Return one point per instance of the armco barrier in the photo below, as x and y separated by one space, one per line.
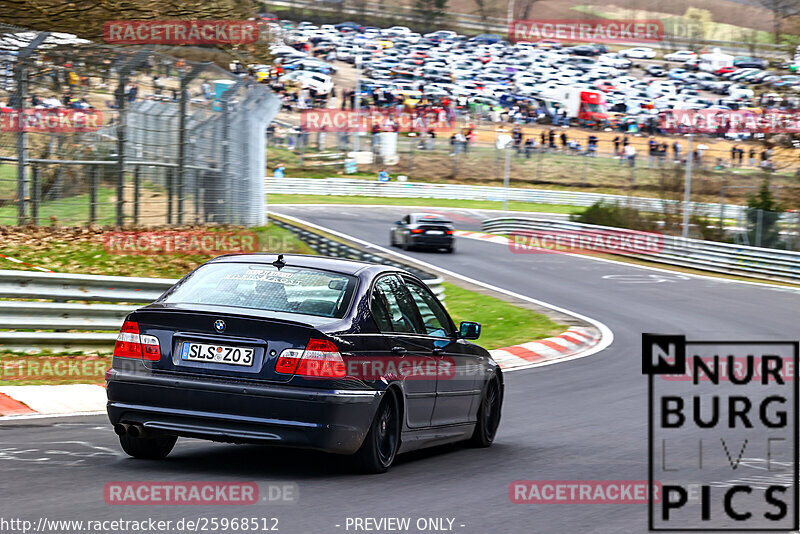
337 249
371 188
112 298
754 262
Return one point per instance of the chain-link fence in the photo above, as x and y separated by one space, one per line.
720 174
108 135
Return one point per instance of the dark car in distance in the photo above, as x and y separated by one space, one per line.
301 351
423 230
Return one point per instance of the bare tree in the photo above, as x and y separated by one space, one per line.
781 10
484 11
524 7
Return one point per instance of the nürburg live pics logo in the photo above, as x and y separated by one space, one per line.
722 434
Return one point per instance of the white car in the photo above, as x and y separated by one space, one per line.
613 60
321 83
740 92
398 30
638 53
680 56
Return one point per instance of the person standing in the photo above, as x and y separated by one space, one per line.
591 146
630 155
383 176
280 171
616 146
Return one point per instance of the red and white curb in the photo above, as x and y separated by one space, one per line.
483 236
73 399
536 353
26 401
15 260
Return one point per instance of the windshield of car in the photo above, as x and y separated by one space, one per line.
290 289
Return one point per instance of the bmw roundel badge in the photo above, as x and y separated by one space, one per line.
219 325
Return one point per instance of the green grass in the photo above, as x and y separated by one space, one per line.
502 324
70 210
8 181
432 202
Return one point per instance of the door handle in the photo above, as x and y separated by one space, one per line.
437 351
399 350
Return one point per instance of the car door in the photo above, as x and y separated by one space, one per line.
400 230
398 319
459 367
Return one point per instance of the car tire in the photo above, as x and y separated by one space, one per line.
450 249
148 448
380 446
391 240
488 414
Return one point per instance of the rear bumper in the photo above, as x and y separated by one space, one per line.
431 241
327 420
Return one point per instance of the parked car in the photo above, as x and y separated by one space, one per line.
750 62
638 53
680 56
582 50
301 351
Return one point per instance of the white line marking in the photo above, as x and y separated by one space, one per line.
46 415
606 335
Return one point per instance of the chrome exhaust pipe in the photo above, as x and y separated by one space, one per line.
121 429
135 431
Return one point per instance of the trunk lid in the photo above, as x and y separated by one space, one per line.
266 334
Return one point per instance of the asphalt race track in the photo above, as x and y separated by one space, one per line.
584 419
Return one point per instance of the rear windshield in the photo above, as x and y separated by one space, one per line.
264 287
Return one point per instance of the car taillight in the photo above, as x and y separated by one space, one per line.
417 231
320 359
449 232
131 344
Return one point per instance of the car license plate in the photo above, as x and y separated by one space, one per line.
435 232
202 352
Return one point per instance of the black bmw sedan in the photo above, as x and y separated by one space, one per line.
423 230
301 351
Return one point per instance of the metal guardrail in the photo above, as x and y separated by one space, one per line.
97 319
356 187
337 249
753 262
92 313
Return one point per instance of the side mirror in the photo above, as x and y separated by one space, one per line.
469 330
398 223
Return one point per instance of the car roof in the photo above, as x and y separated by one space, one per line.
339 265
